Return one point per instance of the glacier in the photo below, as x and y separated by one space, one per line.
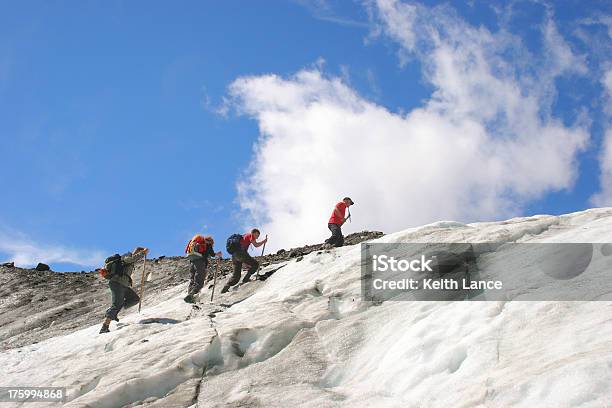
305 338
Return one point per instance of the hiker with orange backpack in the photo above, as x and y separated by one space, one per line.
198 250
238 246
118 269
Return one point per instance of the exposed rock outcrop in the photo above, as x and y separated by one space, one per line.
38 304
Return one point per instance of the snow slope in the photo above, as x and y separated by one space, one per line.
304 338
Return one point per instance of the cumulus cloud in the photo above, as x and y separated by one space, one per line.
26 252
604 196
484 143
600 46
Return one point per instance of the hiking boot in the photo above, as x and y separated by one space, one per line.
247 278
104 329
189 299
225 289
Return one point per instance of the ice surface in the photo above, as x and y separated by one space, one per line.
304 338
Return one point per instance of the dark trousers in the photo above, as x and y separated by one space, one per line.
336 239
238 258
123 296
197 272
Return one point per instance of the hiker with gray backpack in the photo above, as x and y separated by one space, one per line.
238 246
198 251
118 269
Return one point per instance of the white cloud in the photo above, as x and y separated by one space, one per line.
483 145
324 11
604 196
607 83
605 20
26 252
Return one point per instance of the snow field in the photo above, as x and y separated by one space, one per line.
304 338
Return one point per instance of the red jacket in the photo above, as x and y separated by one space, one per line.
334 219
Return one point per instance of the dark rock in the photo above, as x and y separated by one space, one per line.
41 267
280 252
359 237
9 264
299 259
295 253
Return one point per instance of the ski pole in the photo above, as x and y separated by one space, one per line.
349 212
142 281
264 247
212 295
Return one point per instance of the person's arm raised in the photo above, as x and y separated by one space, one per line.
260 243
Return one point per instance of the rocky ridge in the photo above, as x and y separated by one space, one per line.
36 305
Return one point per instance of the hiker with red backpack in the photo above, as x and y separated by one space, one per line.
198 251
238 246
118 269
336 221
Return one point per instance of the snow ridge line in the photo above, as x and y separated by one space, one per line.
541 229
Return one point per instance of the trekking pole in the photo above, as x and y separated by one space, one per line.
212 295
349 212
264 247
142 281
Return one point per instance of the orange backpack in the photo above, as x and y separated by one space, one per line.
198 244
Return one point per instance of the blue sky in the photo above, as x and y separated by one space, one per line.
142 123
